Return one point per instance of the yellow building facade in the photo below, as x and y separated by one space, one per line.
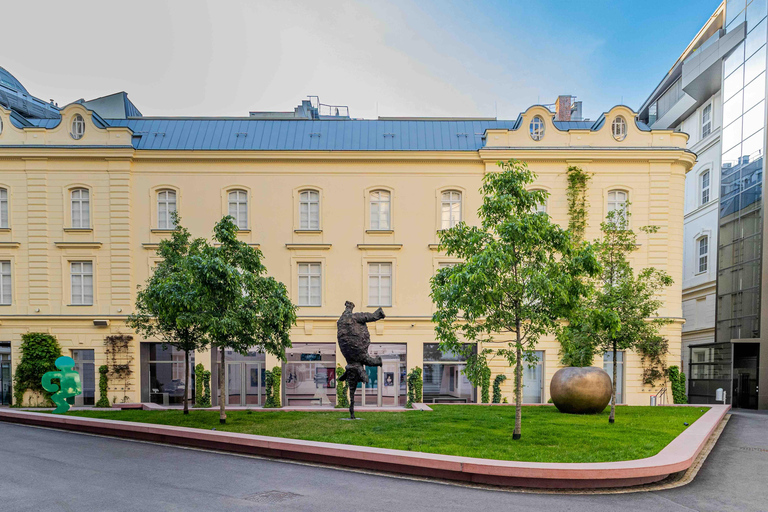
88 201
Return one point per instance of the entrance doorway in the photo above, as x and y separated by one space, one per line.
5 374
386 386
746 357
245 378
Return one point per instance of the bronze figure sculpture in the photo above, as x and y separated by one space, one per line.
354 339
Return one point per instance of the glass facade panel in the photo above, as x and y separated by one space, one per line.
443 377
163 369
309 375
755 39
709 369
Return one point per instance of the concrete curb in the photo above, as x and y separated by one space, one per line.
677 456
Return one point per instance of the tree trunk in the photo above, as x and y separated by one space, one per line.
612 417
186 382
222 366
517 434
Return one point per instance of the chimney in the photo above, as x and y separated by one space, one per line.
563 108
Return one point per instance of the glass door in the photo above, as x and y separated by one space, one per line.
5 379
234 383
85 367
255 382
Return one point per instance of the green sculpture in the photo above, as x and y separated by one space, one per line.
68 386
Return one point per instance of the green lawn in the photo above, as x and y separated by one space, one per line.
469 430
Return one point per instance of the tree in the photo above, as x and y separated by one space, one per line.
620 312
520 273
167 308
239 305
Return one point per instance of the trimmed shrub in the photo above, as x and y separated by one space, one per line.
677 380
202 386
414 387
39 352
342 398
273 388
103 393
497 387
485 385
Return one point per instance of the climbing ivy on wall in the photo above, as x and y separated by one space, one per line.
414 387
273 388
677 380
119 360
39 352
202 386
577 201
485 385
342 399
103 391
500 378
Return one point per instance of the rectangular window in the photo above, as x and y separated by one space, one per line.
450 209
309 210
703 253
166 205
5 283
444 378
3 208
310 280
379 284
608 367
82 282
238 208
81 208
705 180
706 121
533 380
380 208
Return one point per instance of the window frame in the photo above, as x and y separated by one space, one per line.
77 127
3 275
309 226
379 277
709 124
5 207
702 257
536 128
309 275
379 202
450 201
170 225
541 207
237 203
84 207
608 200
82 274
702 189
619 122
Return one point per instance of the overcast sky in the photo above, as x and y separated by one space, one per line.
421 58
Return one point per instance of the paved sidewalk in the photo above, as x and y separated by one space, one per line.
44 470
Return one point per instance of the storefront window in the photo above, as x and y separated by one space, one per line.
309 375
443 377
163 372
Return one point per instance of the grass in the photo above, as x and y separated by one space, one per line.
467 430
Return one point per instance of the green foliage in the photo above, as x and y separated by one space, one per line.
577 202
414 387
202 386
273 388
342 398
677 380
168 307
500 378
485 385
620 311
519 274
39 352
103 391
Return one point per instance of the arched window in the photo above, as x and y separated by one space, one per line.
704 187
380 202
309 210
617 201
238 208
702 246
3 208
537 128
541 207
619 128
166 205
78 127
81 208
450 209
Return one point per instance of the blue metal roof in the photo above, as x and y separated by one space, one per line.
306 135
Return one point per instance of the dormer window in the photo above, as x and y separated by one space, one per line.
78 127
537 128
619 128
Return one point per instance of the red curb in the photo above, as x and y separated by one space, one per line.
677 456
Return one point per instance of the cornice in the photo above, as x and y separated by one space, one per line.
78 245
315 156
308 247
373 247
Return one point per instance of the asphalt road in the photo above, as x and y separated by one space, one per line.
42 470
